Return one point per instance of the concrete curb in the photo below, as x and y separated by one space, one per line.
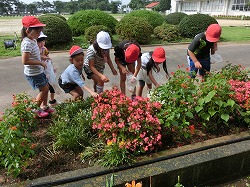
206 167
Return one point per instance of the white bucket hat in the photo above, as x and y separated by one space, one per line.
42 35
103 39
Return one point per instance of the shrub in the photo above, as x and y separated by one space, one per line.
92 31
57 30
72 124
175 18
82 20
134 28
16 143
58 16
155 19
167 32
194 24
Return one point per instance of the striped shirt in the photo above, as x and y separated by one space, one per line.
31 47
99 62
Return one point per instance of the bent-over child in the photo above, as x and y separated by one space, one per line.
150 62
72 79
94 63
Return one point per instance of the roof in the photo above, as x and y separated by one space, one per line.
151 5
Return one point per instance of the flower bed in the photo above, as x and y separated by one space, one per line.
113 130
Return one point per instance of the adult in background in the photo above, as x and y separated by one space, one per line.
199 50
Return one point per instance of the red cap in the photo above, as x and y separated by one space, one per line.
75 49
213 33
159 55
132 53
32 21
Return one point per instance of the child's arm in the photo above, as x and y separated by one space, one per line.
94 94
195 60
214 48
151 77
138 67
27 61
94 70
123 69
111 65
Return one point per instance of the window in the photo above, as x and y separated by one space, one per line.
189 6
212 6
240 5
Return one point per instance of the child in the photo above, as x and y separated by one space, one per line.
126 53
97 56
72 79
150 61
33 66
200 48
44 57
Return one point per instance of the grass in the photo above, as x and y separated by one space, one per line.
229 34
235 34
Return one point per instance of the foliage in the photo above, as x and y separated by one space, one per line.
130 124
57 30
154 18
193 24
16 145
167 32
137 4
82 20
72 125
178 97
58 16
134 28
164 5
175 18
92 31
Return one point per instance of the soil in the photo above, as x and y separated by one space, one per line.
49 161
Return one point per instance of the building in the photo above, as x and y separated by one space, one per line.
212 7
152 5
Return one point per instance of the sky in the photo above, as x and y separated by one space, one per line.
124 2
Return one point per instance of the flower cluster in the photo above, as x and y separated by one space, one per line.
242 92
130 124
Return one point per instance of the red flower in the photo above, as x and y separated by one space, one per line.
192 129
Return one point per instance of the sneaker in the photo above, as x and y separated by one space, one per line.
49 110
53 103
41 113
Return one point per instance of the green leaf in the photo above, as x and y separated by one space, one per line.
231 102
209 96
205 116
198 108
211 111
190 115
225 117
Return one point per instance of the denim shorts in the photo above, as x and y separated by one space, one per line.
37 81
206 66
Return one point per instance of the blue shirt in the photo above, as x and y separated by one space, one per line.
72 75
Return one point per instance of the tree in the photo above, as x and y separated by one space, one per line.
164 5
6 6
32 8
138 4
59 6
114 6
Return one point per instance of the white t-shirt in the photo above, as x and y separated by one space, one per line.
31 47
145 59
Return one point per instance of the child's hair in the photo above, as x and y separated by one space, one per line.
41 39
24 29
151 65
97 49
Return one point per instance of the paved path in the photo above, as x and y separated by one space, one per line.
12 80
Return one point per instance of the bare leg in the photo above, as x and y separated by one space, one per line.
42 97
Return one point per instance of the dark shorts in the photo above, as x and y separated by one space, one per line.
51 89
67 87
37 81
89 73
206 66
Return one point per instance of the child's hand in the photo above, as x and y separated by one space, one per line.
124 70
114 72
94 94
133 79
104 78
43 64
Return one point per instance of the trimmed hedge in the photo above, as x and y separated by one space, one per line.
58 15
82 20
92 31
57 30
135 28
154 18
167 32
194 24
175 18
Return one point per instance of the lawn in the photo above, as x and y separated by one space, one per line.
235 34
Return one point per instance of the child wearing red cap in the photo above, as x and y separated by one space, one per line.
97 56
198 53
126 54
33 66
72 79
151 61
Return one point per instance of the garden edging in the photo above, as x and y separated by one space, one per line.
215 161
